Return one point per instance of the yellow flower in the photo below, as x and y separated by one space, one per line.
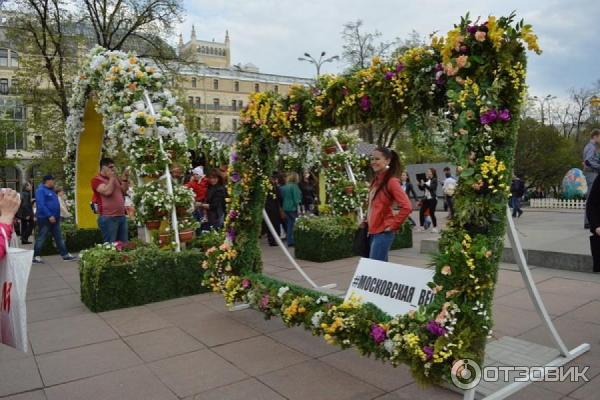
531 39
494 32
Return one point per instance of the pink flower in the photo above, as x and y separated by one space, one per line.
264 302
246 283
480 36
450 69
461 61
118 245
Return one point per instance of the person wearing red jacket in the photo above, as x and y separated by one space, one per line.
199 184
389 205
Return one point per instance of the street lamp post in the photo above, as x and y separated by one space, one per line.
542 101
318 63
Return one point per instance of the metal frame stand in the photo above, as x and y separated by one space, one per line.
566 355
166 176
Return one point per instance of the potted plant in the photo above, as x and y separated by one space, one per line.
329 145
164 239
184 200
153 203
187 228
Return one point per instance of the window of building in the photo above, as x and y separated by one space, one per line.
276 89
233 105
3 86
234 124
216 84
240 104
216 103
14 59
256 87
37 142
19 113
3 58
198 102
193 82
191 100
236 86
217 124
10 177
15 138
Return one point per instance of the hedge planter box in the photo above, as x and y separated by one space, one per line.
79 239
111 279
329 238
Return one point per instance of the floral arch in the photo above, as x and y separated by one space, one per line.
476 76
121 102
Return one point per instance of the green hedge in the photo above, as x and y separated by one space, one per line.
79 239
329 238
111 279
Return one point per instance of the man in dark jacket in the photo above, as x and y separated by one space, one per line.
48 220
517 190
25 214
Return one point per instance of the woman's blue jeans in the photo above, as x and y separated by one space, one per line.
290 219
380 245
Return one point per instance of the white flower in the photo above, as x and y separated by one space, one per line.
282 290
389 345
322 299
316 318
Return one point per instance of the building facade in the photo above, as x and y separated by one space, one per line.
216 90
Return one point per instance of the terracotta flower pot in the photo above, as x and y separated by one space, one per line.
153 224
181 211
164 239
186 236
330 149
325 164
349 189
344 146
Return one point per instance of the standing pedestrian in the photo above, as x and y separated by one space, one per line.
65 214
214 205
109 197
48 220
389 205
292 197
517 191
25 213
307 187
591 165
449 186
273 208
199 184
429 202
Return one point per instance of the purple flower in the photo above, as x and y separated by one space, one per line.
264 302
504 115
233 214
296 107
378 334
345 91
231 235
365 103
389 75
246 283
472 28
488 117
428 351
436 328
233 157
316 91
464 49
438 67
399 67
235 177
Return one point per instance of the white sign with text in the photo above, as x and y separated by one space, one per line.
394 288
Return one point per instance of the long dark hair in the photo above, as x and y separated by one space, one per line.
393 170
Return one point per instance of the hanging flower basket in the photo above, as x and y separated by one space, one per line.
349 189
153 224
186 236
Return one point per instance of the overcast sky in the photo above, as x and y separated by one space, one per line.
272 34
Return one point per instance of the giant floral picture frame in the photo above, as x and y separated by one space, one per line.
475 75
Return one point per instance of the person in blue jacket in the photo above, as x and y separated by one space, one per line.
48 220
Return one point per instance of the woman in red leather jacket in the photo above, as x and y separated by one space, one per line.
389 205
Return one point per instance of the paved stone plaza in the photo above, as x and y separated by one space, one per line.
193 348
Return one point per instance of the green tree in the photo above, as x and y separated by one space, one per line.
543 156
